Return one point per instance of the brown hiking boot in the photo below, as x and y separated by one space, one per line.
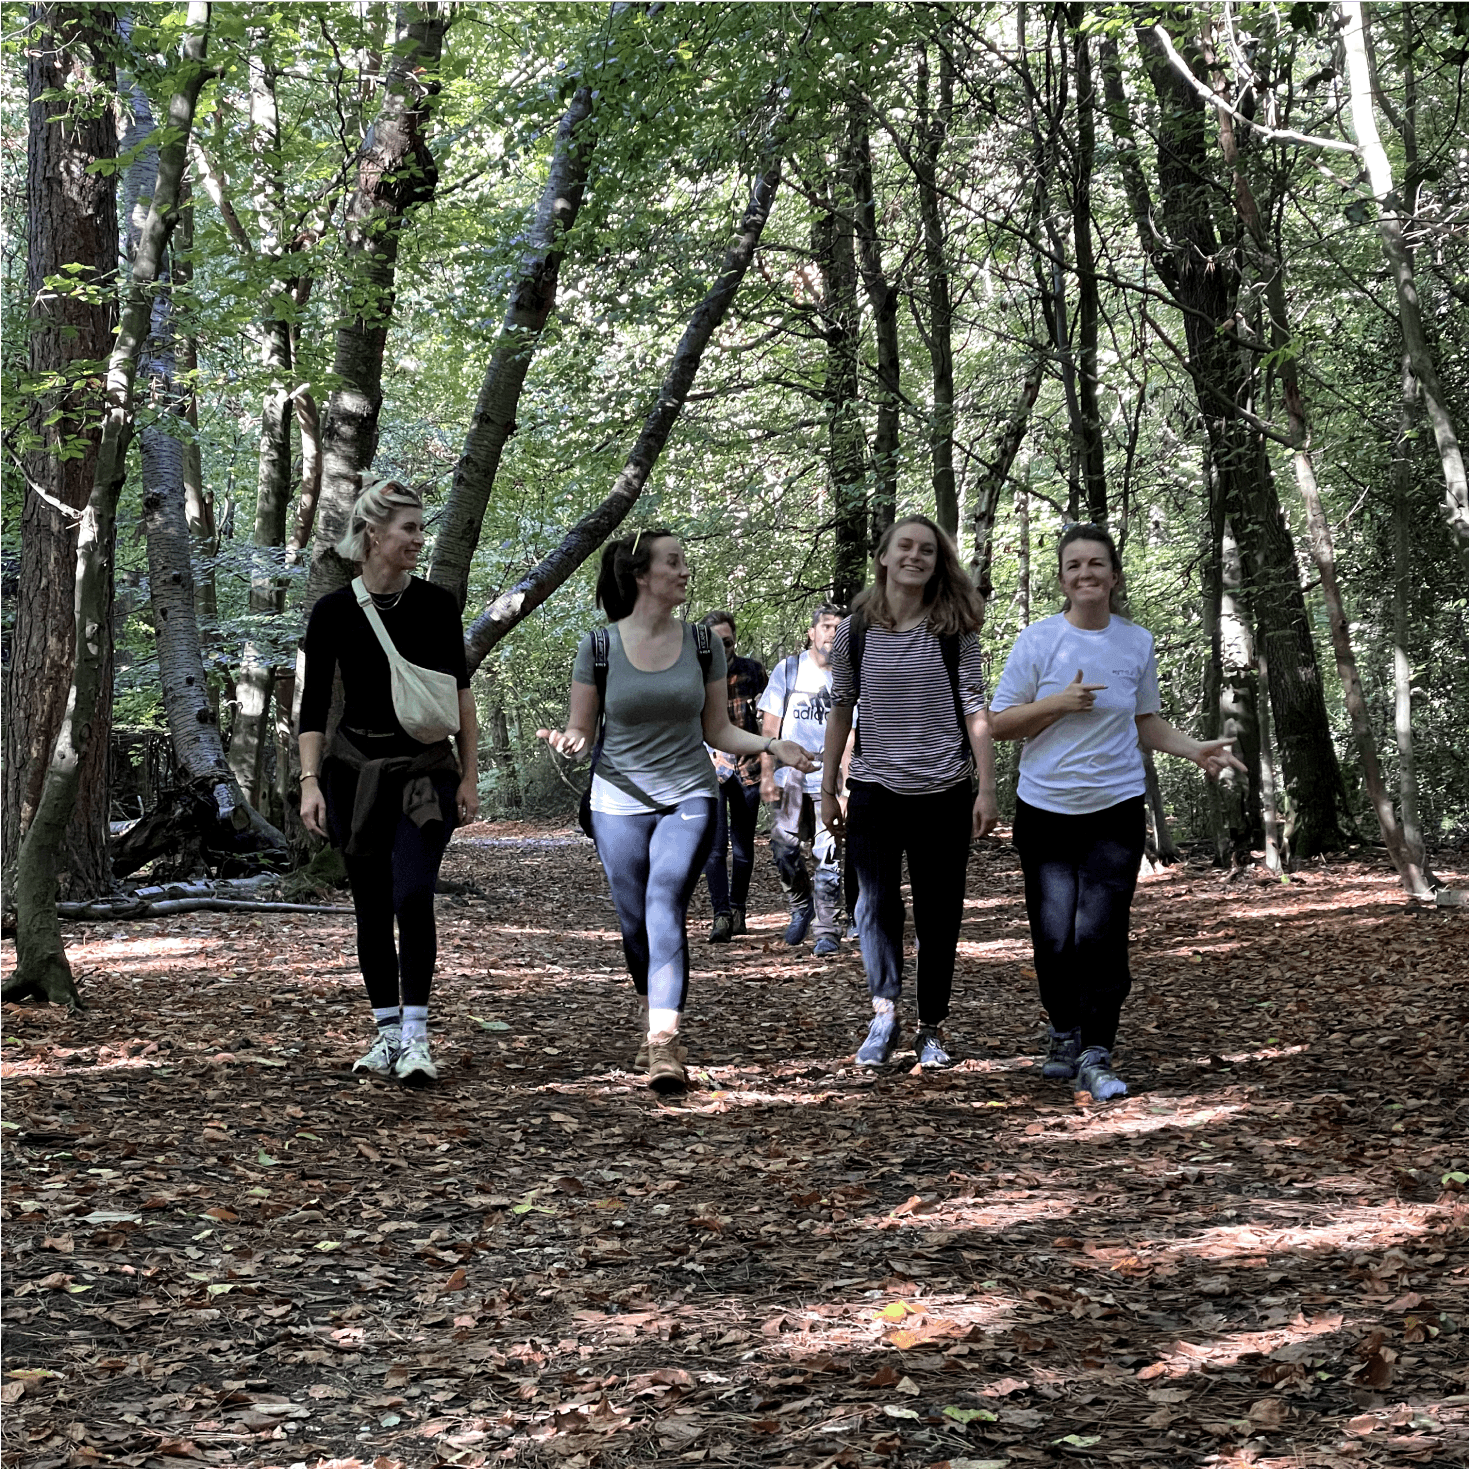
665 1066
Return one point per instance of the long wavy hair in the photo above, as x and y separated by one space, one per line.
375 508
623 562
1117 601
950 598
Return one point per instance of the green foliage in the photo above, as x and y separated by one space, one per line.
686 95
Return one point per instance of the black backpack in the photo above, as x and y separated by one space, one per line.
601 655
950 644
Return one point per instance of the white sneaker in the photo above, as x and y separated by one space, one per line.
414 1066
379 1060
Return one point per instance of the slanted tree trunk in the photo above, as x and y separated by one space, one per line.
1022 551
193 724
41 967
833 248
989 484
531 303
395 173
933 126
71 223
1181 240
1391 227
1272 268
882 296
511 606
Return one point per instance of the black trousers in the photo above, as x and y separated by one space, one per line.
394 880
1080 875
935 831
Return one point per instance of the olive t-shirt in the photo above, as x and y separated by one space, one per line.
653 747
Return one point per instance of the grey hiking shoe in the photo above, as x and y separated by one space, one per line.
1094 1074
803 912
723 929
1062 1049
929 1045
882 1039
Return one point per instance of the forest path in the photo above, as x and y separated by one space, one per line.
221 1248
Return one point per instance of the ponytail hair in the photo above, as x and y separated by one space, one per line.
623 562
375 506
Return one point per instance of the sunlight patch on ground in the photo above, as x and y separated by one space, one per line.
1350 1229
1099 1128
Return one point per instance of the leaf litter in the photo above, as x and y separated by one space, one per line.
222 1248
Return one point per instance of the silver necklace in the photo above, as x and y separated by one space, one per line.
386 601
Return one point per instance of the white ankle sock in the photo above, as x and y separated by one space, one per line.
390 1017
415 1023
662 1024
884 1007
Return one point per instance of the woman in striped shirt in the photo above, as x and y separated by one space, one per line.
910 653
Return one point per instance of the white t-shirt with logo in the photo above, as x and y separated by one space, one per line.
805 712
1090 760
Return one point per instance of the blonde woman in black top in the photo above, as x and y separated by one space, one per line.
386 799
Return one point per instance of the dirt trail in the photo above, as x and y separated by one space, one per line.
221 1248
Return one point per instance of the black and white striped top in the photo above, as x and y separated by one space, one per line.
911 740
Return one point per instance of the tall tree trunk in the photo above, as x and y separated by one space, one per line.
1277 830
531 303
1402 663
933 125
988 485
41 966
882 296
1165 850
833 247
1204 280
193 725
1391 229
1088 304
250 729
71 224
395 172
1272 268
511 606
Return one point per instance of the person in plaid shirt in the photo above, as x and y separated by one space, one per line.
738 805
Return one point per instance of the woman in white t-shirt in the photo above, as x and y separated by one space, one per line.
1081 689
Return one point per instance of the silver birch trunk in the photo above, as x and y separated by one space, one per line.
41 968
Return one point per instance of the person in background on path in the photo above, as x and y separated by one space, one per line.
795 706
653 787
737 807
909 654
1081 689
387 800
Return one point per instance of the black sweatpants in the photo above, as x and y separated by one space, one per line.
1080 875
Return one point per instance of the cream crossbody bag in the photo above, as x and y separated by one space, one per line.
425 700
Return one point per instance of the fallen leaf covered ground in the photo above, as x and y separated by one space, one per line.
221 1248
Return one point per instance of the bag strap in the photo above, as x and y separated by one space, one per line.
952 646
375 621
601 657
856 647
704 647
790 667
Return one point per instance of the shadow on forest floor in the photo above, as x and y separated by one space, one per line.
221 1248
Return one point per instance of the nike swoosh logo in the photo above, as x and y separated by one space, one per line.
686 816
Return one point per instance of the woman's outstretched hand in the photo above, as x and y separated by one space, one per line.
571 742
1213 757
798 757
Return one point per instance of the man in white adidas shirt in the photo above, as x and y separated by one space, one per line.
795 706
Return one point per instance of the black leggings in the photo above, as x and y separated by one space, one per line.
393 881
1080 875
